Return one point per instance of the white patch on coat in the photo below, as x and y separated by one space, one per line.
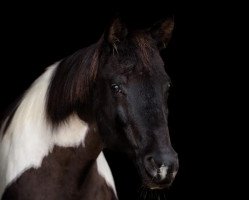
29 138
105 171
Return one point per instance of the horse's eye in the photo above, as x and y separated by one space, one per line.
115 88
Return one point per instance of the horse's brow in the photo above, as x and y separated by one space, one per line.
123 69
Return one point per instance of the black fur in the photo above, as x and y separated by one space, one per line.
72 83
120 83
118 86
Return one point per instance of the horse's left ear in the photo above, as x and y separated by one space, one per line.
162 32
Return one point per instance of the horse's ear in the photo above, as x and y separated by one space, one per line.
162 32
116 32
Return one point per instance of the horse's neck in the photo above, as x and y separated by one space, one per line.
29 138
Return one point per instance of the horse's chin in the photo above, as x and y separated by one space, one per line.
153 186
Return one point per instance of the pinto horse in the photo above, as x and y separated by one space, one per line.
112 94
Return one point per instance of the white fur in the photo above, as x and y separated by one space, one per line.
105 172
163 172
29 138
174 174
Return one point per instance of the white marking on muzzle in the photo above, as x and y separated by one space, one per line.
174 174
163 172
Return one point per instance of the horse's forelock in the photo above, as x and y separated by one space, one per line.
145 47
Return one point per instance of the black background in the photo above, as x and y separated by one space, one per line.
35 35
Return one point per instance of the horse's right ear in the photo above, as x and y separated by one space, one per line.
116 32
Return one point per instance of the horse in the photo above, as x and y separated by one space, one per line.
112 94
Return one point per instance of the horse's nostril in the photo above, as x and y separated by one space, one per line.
151 160
155 171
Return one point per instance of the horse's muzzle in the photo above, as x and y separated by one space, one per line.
161 170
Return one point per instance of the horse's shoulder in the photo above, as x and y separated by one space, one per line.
65 174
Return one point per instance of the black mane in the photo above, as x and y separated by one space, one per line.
71 83
74 77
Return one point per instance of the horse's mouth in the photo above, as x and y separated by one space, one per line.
157 186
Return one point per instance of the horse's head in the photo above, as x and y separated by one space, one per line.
121 83
132 90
